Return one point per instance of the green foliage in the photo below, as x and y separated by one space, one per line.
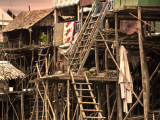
43 37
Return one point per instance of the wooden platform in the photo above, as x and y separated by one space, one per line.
148 13
64 78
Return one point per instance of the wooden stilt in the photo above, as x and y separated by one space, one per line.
7 109
2 109
68 106
62 99
144 69
22 106
46 104
119 104
81 100
72 100
108 101
97 57
56 100
37 104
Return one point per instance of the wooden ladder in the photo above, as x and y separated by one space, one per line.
85 40
91 96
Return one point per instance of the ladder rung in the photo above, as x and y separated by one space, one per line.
96 15
88 103
89 28
84 89
92 117
87 96
83 83
39 60
86 33
75 64
75 58
42 54
92 110
92 22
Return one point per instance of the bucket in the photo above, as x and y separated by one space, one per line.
10 89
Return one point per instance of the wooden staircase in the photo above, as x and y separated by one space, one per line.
93 104
85 40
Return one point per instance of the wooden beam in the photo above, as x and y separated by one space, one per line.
118 93
144 69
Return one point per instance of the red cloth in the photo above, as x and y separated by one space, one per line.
85 2
128 26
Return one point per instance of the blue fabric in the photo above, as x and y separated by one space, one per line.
65 3
77 26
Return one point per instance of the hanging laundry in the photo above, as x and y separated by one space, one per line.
128 26
58 34
68 33
126 93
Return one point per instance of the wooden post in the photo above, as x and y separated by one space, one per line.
56 100
37 104
144 69
55 15
81 100
108 101
81 17
48 35
97 57
24 62
7 109
62 100
20 60
22 106
55 60
2 21
99 97
68 106
78 15
46 106
119 104
2 109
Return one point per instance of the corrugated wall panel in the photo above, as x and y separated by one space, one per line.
120 3
157 25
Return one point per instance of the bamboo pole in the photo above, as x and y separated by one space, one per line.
145 74
119 104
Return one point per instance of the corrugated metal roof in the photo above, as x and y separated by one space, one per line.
26 19
64 3
5 15
8 71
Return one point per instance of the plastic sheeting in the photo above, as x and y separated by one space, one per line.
65 3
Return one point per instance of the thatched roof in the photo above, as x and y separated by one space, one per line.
26 19
8 71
